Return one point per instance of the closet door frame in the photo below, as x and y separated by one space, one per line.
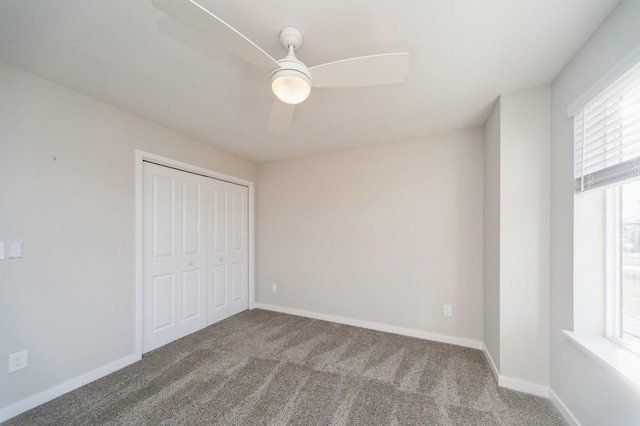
140 157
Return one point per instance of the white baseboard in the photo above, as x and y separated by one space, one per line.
568 416
522 386
46 396
515 384
469 343
492 364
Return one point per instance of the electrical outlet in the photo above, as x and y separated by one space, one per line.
274 288
18 361
448 311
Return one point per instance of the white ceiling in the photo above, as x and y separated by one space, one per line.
464 54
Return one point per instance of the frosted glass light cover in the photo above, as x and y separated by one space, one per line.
291 89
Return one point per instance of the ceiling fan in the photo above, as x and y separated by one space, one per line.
291 80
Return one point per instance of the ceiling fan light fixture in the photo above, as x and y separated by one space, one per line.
290 86
291 80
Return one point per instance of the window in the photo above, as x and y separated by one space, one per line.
607 165
623 264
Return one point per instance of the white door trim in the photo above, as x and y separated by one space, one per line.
141 156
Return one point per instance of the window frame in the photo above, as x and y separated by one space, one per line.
613 263
613 285
596 337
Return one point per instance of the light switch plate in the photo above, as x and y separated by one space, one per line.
14 250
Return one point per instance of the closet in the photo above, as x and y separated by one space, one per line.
195 253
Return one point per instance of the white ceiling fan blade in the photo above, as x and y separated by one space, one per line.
281 116
200 19
374 70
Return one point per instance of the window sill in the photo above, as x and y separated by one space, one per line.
609 354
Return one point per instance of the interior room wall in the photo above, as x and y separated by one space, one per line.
491 251
516 239
592 393
589 262
524 235
386 233
67 185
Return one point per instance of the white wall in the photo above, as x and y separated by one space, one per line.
592 393
524 235
70 301
589 259
491 322
516 238
385 233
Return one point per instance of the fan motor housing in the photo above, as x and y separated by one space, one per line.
291 39
292 66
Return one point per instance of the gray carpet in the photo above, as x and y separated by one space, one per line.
262 367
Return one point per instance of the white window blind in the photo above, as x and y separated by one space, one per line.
607 134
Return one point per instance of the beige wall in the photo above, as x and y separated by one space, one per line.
592 393
70 300
491 251
386 233
524 235
516 238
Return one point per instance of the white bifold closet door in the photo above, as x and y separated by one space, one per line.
228 251
195 253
